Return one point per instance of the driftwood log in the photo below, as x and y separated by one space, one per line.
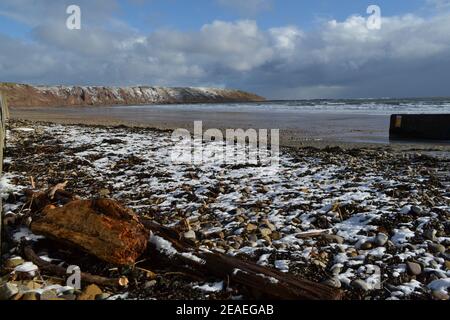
60 271
261 281
102 228
115 234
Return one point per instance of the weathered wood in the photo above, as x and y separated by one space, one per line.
420 126
266 282
102 228
60 271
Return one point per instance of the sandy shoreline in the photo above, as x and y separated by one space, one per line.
289 137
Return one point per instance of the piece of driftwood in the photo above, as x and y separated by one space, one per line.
101 227
60 271
263 281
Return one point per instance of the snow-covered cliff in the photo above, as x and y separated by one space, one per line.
20 95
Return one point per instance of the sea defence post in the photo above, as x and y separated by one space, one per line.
3 117
420 127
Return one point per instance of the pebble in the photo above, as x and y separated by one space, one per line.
381 239
416 210
102 296
439 295
69 297
413 268
14 262
336 270
90 292
360 284
8 290
447 265
150 284
265 232
430 234
30 296
251 228
333 238
436 248
49 295
190 235
366 246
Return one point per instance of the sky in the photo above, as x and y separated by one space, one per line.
280 49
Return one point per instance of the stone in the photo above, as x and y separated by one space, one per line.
366 246
190 235
8 290
430 234
333 282
416 210
150 284
102 296
251 228
265 232
336 270
436 248
30 296
69 297
439 295
381 239
104 193
14 262
49 295
447 265
360 284
333 238
90 292
276 236
413 268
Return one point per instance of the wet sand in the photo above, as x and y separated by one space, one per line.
296 129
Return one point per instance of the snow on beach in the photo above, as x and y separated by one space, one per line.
372 222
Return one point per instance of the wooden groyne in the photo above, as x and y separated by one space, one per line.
3 116
420 127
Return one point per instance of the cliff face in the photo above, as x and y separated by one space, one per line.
20 95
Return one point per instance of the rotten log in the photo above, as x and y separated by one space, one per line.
30 255
267 282
102 228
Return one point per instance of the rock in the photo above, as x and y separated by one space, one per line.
439 295
366 246
436 248
90 292
333 282
190 235
430 234
336 270
416 210
265 232
360 284
49 295
150 284
381 239
333 238
102 296
252 237
14 262
447 265
104 193
30 296
69 297
276 236
413 268
251 228
8 290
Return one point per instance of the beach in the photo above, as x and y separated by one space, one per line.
349 217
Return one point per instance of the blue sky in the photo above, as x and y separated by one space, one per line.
279 49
